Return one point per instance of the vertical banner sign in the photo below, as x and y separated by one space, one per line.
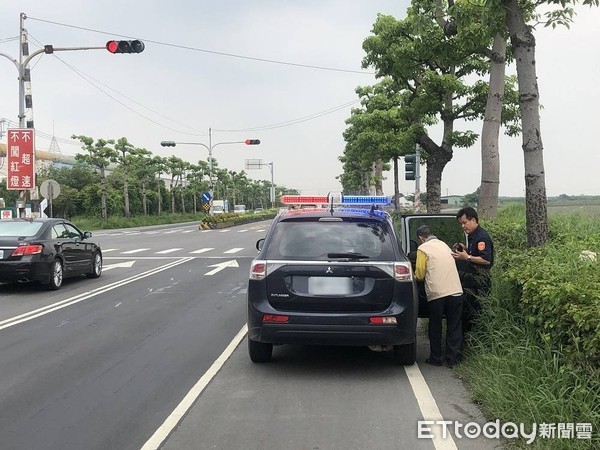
20 159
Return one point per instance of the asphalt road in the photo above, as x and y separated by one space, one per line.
153 354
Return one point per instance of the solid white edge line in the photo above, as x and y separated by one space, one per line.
25 317
181 410
428 407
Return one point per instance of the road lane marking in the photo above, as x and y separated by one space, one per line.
428 407
86 295
234 250
169 250
137 250
106 250
181 410
203 250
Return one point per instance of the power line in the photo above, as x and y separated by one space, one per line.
212 52
294 121
87 78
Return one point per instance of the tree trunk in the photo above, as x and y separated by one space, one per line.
437 158
396 186
523 46
126 189
104 194
159 196
172 197
378 170
490 158
144 199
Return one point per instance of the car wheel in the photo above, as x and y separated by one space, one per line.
96 266
406 354
56 275
259 351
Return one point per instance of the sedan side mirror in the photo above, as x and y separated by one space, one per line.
87 234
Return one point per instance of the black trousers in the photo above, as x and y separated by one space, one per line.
451 306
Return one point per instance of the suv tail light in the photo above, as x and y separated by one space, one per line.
23 250
402 271
258 270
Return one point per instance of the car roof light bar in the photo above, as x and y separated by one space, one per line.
303 199
335 200
365 200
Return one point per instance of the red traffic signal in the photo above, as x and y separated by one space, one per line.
125 46
252 141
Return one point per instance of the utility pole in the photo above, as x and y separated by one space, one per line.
210 148
418 178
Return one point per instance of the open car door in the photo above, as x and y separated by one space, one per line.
444 226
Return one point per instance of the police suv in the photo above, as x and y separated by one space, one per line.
334 274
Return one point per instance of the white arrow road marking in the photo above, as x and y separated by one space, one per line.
121 264
221 266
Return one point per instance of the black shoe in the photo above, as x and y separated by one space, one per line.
451 363
433 362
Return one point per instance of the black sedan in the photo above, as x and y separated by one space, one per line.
47 251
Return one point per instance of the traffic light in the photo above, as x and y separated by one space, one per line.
410 166
125 46
167 143
252 141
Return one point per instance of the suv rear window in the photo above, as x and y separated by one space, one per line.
313 240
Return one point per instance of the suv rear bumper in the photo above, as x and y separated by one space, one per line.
353 329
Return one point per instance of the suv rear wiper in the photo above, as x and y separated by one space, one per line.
350 255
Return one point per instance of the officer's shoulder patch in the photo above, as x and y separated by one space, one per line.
481 246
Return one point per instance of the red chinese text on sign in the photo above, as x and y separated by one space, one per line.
20 159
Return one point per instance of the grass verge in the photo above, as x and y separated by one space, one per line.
513 379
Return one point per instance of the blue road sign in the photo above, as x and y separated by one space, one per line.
206 197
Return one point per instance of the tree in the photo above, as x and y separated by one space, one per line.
523 46
159 165
429 69
99 155
377 132
431 65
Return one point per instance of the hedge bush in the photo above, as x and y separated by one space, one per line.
559 290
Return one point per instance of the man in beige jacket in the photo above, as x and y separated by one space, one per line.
436 266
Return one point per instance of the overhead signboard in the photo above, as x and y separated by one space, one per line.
20 159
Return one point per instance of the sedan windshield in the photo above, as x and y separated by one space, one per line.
19 228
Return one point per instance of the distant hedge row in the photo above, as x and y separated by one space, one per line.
557 285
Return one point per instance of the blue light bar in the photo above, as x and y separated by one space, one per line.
365 211
365 200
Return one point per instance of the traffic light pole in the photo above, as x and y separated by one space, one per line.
418 178
210 148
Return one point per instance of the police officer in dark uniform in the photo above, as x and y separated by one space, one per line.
474 264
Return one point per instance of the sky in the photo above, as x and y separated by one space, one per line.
280 71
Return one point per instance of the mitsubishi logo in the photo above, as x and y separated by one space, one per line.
329 270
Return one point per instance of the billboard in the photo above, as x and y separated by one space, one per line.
20 159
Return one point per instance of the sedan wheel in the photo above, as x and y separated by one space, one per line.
96 266
56 277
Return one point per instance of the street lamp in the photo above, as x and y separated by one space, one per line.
210 148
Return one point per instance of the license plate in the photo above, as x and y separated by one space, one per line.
329 285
